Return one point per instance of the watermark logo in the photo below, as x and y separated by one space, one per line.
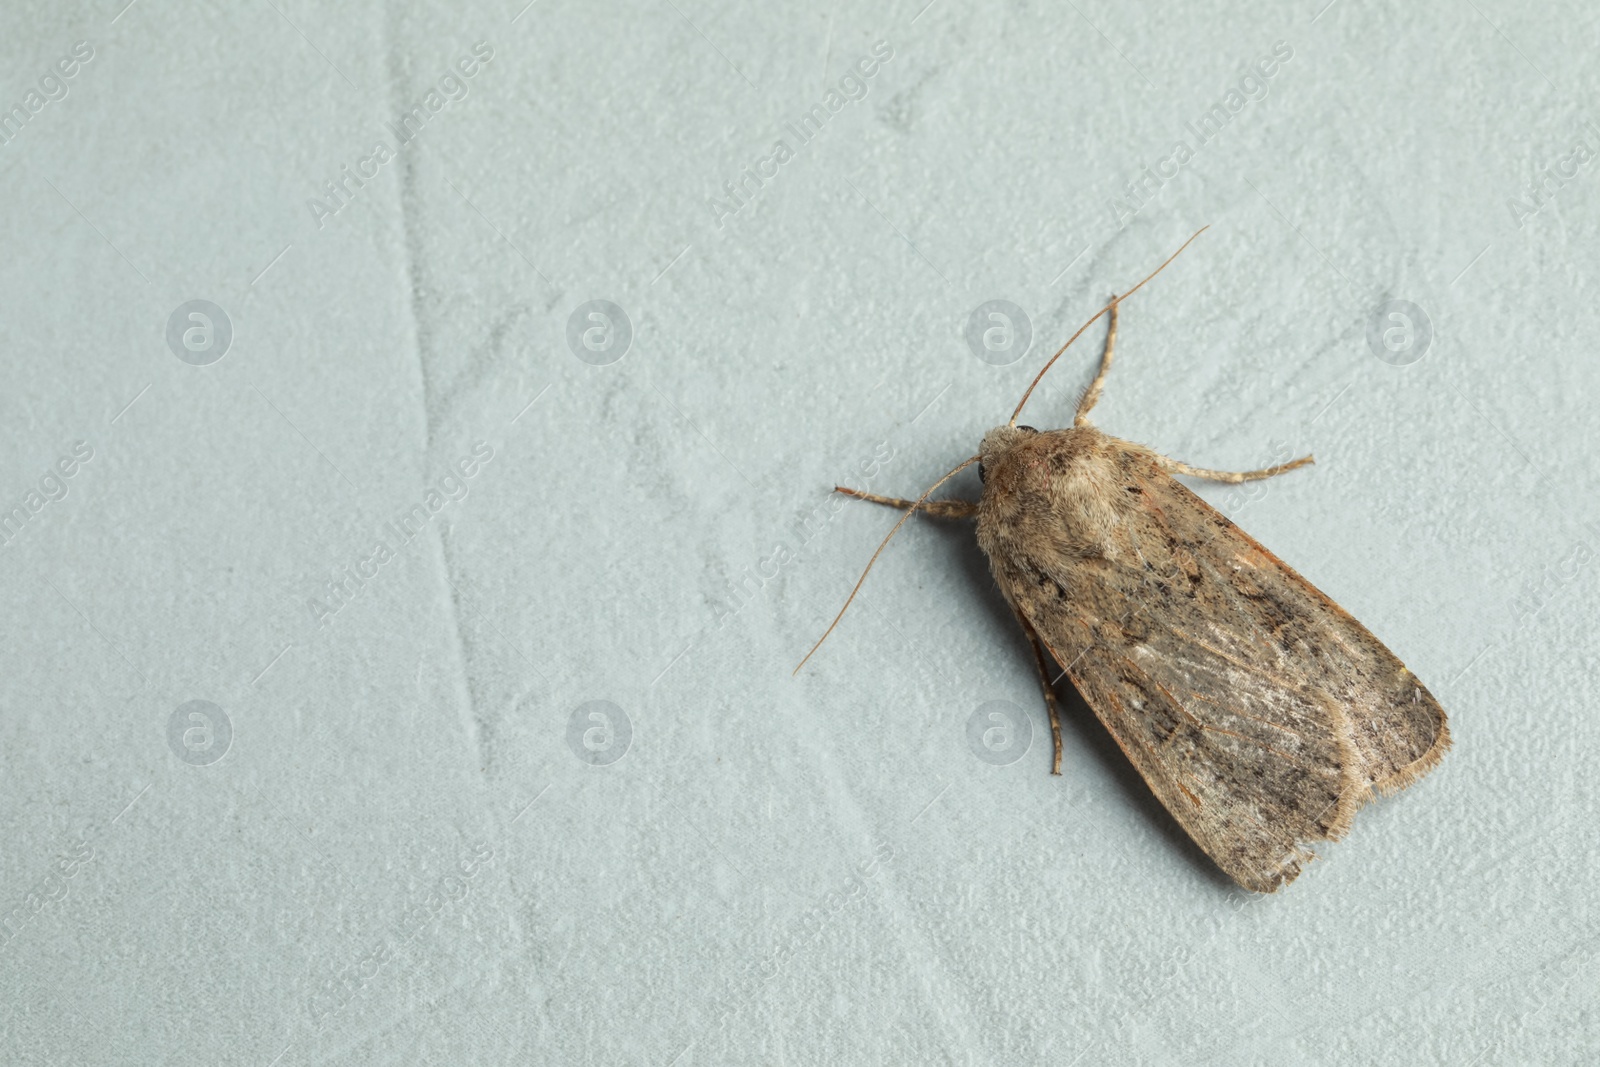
999 733
999 332
199 333
1399 333
199 733
599 733
599 332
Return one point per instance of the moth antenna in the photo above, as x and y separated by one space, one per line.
1095 316
881 546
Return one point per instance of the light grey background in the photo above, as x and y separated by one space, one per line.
408 853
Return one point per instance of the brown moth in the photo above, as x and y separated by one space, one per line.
1260 713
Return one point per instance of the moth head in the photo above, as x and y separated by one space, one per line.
997 444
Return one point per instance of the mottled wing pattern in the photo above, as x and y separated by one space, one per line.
1261 713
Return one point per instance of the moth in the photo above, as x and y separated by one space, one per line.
1259 712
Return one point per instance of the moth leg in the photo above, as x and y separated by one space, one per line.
1091 395
939 509
1043 663
1233 477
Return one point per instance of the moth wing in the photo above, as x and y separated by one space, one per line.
1260 713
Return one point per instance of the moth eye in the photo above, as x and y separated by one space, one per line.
981 477
1027 429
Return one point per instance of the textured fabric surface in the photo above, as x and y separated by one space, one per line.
419 422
